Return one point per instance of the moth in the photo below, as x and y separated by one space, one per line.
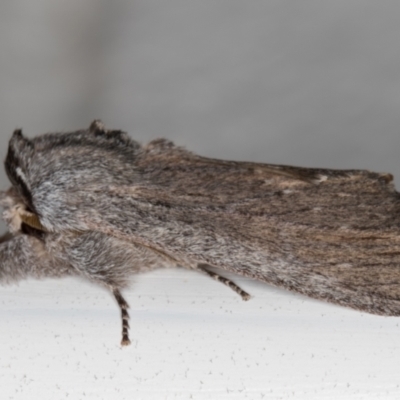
97 204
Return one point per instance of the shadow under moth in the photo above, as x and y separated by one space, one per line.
97 204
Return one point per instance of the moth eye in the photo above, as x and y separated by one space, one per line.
32 220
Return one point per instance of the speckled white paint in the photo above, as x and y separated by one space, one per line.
192 338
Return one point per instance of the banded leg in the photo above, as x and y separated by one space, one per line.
244 295
123 305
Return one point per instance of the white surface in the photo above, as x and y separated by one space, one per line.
192 338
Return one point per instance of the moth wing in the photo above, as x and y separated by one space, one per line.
332 236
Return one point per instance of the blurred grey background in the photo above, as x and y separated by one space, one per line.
307 83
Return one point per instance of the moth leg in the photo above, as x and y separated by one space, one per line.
244 295
123 305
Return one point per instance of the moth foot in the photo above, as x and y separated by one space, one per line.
125 341
245 296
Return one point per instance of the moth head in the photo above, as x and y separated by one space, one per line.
16 215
